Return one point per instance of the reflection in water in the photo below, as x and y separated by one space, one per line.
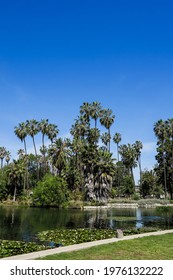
25 223
139 223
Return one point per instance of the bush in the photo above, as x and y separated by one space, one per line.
51 191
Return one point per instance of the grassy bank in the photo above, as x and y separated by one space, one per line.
146 248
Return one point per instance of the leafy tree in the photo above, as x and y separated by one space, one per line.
51 191
128 187
149 185
128 156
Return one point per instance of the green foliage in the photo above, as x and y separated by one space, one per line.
75 236
3 184
164 211
51 191
128 187
11 248
80 235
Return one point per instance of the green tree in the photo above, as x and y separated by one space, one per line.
59 154
117 139
16 175
138 147
107 119
51 191
33 129
21 131
160 131
128 156
3 153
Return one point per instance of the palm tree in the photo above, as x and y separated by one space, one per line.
52 132
128 156
21 153
80 128
21 132
160 132
33 129
44 128
107 119
85 111
3 153
105 137
138 147
59 154
117 139
16 172
7 158
95 111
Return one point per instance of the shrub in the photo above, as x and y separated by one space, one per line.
51 191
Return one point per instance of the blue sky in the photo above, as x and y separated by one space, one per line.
55 55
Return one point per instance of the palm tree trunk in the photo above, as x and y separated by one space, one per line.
109 143
140 170
36 157
131 170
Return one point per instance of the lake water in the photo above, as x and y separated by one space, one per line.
24 223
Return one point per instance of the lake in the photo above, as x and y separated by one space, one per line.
24 223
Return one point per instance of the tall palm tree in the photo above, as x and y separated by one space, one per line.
105 137
128 156
59 154
33 129
95 111
85 111
3 153
52 132
7 158
107 119
138 147
160 132
16 172
44 129
117 139
22 132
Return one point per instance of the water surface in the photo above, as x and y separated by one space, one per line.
24 223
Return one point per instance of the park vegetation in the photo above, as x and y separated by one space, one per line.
82 167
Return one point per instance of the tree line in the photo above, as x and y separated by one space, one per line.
84 164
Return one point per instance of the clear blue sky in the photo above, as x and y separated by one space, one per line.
54 55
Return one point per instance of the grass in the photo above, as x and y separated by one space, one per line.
145 248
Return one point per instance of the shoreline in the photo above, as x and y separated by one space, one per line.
126 205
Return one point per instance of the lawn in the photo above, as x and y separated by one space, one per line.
146 248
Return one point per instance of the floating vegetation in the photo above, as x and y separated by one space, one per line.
76 236
11 248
